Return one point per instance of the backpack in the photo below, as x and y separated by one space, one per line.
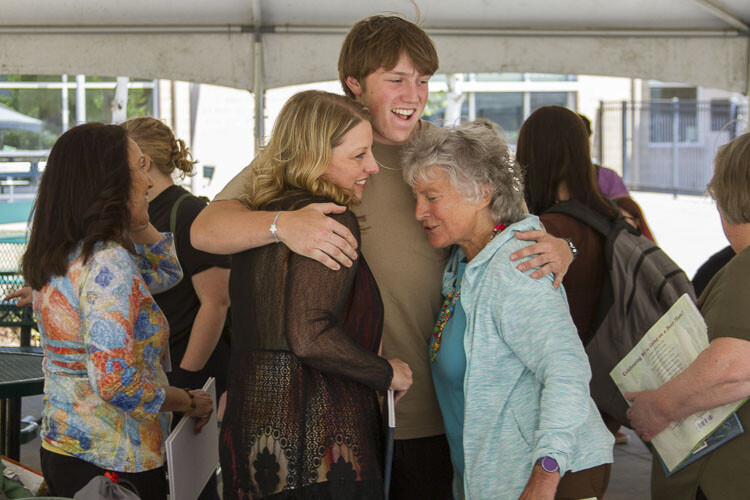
641 284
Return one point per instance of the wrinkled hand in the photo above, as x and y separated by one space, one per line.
24 296
203 408
542 485
401 380
309 232
646 415
553 255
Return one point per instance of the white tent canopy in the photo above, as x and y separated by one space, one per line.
257 44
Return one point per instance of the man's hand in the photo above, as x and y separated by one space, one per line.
309 232
24 296
646 415
542 485
553 255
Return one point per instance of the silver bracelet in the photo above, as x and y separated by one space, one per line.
274 229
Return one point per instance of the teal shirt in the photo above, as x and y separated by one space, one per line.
448 371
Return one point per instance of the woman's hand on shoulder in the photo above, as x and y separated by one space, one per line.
401 380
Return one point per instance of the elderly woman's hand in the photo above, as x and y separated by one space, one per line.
553 255
646 415
542 485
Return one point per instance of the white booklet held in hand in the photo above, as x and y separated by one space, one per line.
668 348
192 458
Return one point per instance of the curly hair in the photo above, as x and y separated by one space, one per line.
156 139
82 199
310 125
476 157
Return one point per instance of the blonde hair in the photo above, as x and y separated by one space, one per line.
156 139
311 124
730 184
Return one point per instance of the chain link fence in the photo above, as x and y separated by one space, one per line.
667 145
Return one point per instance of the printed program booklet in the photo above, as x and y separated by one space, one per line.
668 348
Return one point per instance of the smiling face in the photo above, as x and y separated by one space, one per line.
352 161
448 217
139 185
395 97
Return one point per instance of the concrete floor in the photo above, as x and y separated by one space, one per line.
629 480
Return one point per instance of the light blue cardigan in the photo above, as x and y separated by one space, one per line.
526 385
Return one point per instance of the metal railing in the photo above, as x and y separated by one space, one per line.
667 145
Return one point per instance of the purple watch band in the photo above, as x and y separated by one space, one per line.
549 464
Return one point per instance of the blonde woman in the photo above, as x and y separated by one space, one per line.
196 307
302 416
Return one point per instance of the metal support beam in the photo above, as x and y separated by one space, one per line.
258 78
725 16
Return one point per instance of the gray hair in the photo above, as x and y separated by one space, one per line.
475 156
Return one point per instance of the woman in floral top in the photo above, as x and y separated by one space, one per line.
93 261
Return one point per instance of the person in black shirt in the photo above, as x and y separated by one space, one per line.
196 308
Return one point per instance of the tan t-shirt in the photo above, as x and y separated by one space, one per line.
409 274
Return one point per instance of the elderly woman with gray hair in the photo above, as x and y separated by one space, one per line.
510 372
721 373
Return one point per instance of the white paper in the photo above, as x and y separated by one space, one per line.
391 410
193 458
667 349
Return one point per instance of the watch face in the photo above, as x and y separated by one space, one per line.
549 464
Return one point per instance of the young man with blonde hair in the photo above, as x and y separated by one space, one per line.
385 63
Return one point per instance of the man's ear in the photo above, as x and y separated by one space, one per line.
354 86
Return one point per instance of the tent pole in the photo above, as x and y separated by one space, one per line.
258 78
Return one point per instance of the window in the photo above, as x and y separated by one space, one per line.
668 104
721 114
503 108
539 99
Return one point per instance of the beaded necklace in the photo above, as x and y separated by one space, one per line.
446 312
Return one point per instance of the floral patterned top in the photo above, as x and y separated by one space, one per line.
103 338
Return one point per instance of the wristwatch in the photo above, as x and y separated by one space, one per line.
572 247
549 464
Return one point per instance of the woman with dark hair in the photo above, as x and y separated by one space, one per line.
92 260
553 151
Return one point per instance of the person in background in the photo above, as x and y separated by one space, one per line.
721 373
613 187
91 260
708 269
510 372
385 64
196 308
